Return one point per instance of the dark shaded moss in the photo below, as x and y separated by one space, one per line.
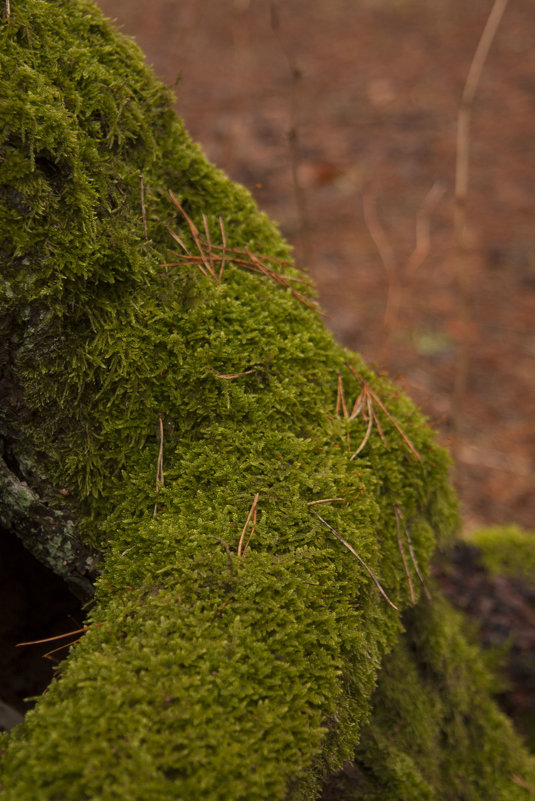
205 673
435 734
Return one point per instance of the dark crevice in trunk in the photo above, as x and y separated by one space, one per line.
34 604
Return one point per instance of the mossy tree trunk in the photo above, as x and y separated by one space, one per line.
265 506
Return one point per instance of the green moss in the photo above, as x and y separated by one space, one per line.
435 733
205 673
507 550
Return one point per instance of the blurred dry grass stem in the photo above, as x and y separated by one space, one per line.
293 140
397 276
462 245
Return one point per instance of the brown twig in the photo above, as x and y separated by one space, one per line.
56 637
340 397
224 241
365 400
280 279
8 9
377 424
208 252
358 405
324 500
160 481
522 783
143 209
236 375
361 560
251 532
399 516
236 253
403 559
375 397
368 430
252 511
48 655
208 240
461 193
195 234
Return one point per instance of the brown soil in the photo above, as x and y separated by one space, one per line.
365 95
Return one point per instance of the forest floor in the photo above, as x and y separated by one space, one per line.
341 119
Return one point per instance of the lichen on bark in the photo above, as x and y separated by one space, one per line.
177 410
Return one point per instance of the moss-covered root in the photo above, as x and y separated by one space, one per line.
266 506
435 734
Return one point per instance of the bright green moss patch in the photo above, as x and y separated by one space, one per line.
507 550
158 403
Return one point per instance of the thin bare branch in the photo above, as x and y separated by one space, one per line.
468 95
423 239
386 254
378 234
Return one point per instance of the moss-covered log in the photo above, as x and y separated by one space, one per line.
265 506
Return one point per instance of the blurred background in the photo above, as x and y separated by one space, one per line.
340 117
